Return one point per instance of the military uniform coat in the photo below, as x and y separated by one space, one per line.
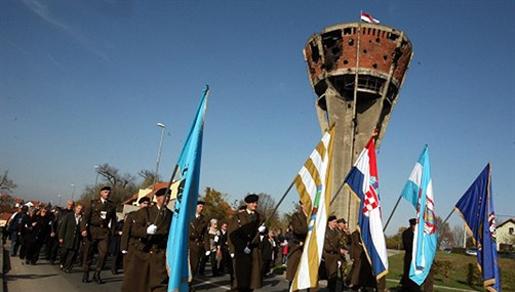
243 232
197 237
99 219
299 224
146 269
331 252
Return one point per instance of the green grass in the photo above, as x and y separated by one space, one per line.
457 274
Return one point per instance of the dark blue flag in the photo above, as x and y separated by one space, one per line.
476 207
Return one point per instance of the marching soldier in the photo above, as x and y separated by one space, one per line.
146 269
144 202
331 252
299 225
244 230
197 232
96 229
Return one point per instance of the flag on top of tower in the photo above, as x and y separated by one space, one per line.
419 192
313 184
477 209
367 17
364 182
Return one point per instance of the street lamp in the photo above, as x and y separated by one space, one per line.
96 177
73 191
59 196
163 127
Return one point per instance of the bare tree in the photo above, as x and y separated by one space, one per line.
148 177
458 234
6 183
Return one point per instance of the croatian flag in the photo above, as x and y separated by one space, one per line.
419 192
368 18
364 182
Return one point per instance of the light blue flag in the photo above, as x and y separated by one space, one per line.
419 192
188 175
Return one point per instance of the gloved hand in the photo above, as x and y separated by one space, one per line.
247 250
216 238
208 253
151 229
261 228
124 252
232 255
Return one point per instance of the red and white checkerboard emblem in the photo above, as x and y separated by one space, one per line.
371 200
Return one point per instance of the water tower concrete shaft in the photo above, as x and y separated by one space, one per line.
356 70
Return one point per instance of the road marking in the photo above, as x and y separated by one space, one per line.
211 283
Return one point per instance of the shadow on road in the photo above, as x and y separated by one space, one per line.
29 276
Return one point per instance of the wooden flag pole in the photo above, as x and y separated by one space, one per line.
391 214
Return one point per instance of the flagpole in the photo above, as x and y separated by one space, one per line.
391 214
281 200
448 216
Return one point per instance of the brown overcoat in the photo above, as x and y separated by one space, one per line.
331 252
243 233
299 225
197 237
146 270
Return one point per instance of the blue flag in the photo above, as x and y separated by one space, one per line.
419 192
477 208
177 259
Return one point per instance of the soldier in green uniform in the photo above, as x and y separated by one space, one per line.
197 234
299 227
344 244
96 229
244 231
146 269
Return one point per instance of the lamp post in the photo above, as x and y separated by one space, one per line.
73 191
59 196
163 127
96 177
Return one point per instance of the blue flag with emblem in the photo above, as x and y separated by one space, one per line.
177 259
477 208
418 191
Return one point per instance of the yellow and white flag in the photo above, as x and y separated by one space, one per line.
314 188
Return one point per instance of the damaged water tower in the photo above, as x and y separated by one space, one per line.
356 71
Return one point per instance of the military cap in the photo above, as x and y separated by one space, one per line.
341 220
201 202
251 198
105 188
161 192
331 218
143 200
413 221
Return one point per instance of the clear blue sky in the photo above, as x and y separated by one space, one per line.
85 82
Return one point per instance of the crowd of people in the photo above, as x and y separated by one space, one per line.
241 246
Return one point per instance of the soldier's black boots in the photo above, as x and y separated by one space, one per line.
96 278
85 277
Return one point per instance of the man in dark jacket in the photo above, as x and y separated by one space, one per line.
243 234
69 237
331 252
197 233
96 229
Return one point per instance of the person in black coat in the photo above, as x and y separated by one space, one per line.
70 237
266 246
41 229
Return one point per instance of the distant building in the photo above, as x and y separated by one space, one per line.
505 235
